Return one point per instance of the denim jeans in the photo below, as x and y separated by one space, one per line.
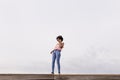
56 55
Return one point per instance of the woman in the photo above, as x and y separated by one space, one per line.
56 53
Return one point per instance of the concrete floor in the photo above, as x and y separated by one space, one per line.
60 77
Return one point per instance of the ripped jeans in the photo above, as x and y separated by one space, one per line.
56 55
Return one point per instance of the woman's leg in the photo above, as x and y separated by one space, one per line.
58 54
53 61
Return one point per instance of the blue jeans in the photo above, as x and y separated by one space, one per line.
56 55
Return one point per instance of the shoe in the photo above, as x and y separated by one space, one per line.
58 72
52 72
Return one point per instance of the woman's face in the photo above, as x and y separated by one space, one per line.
59 40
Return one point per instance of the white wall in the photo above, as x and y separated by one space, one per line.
28 29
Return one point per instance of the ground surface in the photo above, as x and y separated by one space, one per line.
60 77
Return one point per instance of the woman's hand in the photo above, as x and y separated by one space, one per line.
51 52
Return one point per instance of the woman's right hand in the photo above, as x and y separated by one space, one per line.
51 52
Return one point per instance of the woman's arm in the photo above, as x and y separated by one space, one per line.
62 45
